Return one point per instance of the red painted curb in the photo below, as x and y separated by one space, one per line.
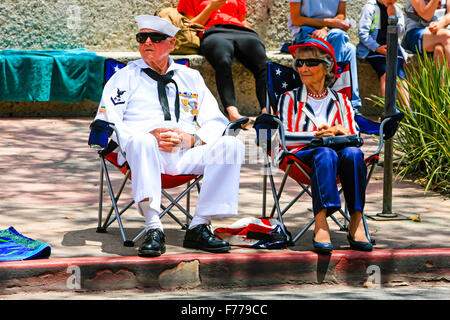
284 256
230 269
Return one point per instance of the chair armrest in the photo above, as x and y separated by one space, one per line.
372 127
391 125
264 126
234 127
384 129
100 133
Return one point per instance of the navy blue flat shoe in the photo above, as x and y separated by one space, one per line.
322 247
359 245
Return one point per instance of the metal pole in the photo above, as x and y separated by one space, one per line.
390 100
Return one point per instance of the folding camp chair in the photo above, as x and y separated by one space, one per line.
270 131
108 151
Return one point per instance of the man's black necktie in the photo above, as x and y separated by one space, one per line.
163 80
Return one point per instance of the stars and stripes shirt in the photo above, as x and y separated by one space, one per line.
300 121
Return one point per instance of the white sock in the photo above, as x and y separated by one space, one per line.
199 220
151 216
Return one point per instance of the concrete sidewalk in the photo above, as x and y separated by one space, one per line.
49 192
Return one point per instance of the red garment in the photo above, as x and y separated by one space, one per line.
230 13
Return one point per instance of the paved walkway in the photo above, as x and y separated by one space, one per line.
49 192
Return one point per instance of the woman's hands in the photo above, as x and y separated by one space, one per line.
173 139
327 131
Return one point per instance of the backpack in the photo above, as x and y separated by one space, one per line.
187 40
263 233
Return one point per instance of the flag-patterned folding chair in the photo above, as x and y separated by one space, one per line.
270 137
108 151
281 79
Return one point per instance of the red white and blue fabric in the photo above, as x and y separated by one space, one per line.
299 120
251 232
281 79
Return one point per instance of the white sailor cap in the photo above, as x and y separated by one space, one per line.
157 24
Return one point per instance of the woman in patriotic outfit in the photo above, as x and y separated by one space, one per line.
315 110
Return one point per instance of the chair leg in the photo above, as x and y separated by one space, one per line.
275 198
294 200
174 202
184 226
341 227
366 228
109 222
346 221
188 204
116 199
300 234
100 229
126 242
369 175
264 201
281 188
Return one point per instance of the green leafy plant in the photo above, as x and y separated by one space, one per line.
422 143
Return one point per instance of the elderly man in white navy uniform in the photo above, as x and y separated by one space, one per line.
158 134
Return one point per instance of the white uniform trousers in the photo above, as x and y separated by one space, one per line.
219 163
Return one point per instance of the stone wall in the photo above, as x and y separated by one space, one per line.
108 25
108 28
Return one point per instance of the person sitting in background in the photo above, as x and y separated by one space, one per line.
228 34
325 19
372 32
315 110
427 30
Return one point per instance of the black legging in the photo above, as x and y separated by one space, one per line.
220 44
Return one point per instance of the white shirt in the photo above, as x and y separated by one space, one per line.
320 109
130 101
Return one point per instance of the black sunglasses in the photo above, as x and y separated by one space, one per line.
156 37
309 62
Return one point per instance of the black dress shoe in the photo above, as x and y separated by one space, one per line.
202 238
154 244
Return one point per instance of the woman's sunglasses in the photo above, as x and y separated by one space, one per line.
309 62
156 37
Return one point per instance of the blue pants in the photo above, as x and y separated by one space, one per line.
326 164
